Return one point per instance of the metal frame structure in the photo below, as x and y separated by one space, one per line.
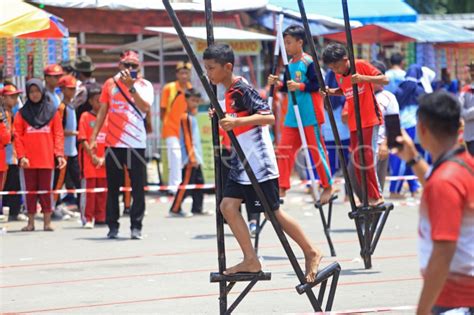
370 220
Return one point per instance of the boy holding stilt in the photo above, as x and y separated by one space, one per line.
336 58
248 116
304 84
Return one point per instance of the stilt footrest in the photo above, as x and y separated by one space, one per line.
241 277
323 275
371 210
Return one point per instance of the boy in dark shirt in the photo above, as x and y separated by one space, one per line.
248 116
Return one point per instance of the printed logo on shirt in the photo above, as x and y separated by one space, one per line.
257 203
101 137
92 124
298 76
44 129
349 93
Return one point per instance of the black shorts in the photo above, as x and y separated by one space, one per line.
247 193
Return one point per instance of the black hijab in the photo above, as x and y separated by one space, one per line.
41 113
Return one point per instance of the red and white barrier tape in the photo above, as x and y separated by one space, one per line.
165 188
99 190
395 309
342 181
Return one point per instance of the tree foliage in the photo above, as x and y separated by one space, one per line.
442 6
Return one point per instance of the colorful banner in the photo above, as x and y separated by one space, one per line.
26 57
205 130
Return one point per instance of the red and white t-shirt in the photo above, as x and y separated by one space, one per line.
241 100
447 214
369 110
86 127
126 128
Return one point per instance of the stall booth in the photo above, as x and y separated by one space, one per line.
30 39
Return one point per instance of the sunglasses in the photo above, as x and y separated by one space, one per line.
130 65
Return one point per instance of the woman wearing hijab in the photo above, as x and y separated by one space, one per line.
407 95
39 142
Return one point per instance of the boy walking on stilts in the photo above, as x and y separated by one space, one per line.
248 116
304 83
336 58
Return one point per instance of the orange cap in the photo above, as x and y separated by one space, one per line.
67 81
53 70
10 90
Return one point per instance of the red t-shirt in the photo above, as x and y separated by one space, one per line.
369 109
466 88
5 138
86 126
447 214
39 146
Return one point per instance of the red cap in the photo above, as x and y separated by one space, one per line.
67 81
10 90
130 56
53 70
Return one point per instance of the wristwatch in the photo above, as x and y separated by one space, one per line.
132 90
415 160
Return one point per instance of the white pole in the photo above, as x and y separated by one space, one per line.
276 53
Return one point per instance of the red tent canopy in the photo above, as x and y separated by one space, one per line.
370 34
55 30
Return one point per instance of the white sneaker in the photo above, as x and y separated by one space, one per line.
180 214
89 225
3 218
21 217
70 213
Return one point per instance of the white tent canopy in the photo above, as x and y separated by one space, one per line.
220 33
198 32
194 5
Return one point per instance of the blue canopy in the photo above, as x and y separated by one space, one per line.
431 32
364 11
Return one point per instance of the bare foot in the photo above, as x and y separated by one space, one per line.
327 194
250 265
48 228
312 261
376 202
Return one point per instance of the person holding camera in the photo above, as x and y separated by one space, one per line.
126 100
